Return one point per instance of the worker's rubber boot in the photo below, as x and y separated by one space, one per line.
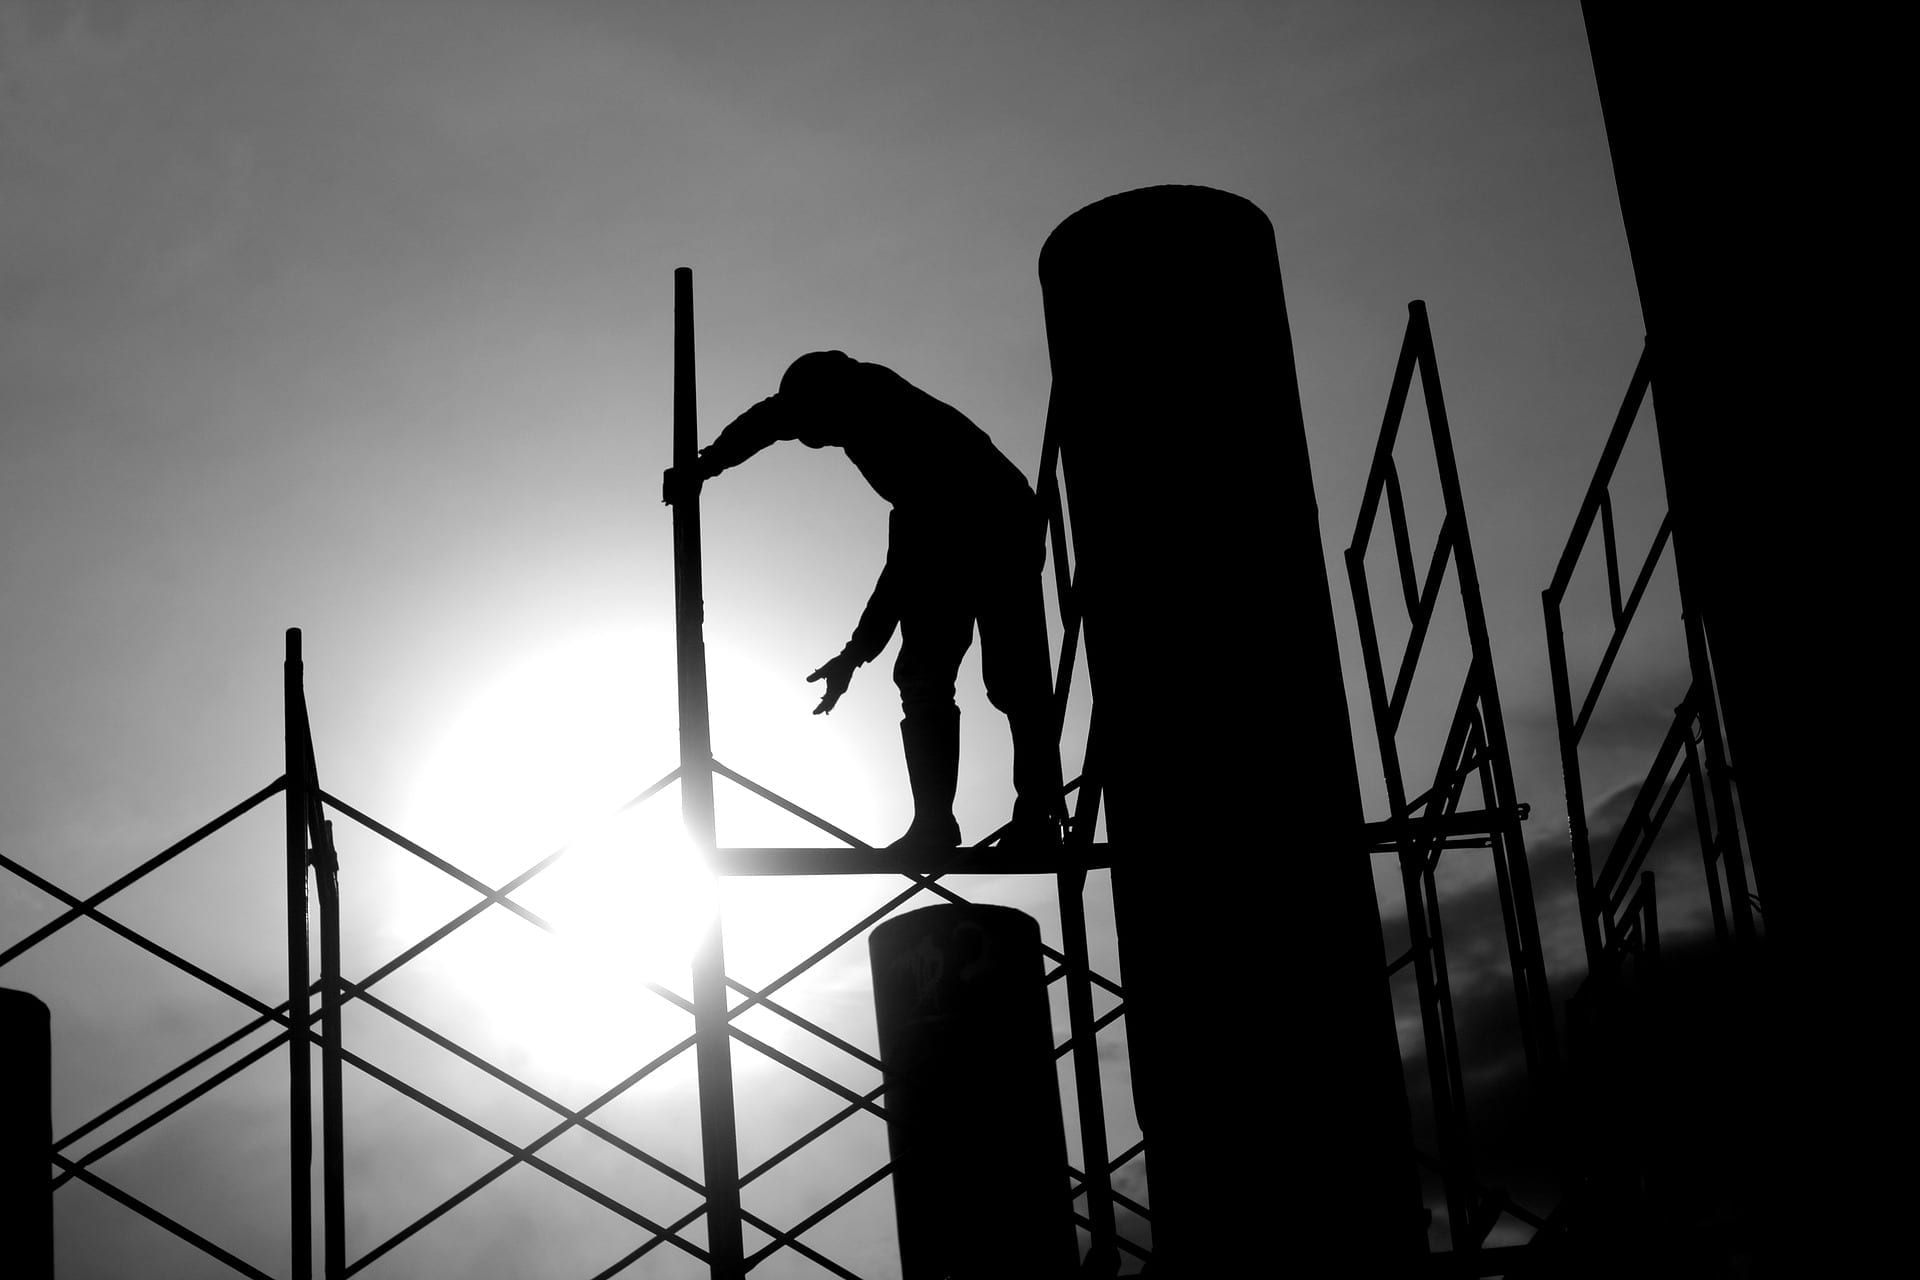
932 744
1037 804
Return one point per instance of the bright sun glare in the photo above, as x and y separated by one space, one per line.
545 756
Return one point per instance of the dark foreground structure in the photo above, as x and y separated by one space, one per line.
1166 318
1739 150
26 1134
1701 1107
973 1105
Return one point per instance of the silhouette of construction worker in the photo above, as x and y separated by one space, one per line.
964 547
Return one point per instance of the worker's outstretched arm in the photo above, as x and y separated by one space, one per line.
761 425
877 623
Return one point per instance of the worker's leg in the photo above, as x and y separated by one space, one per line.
1014 664
934 635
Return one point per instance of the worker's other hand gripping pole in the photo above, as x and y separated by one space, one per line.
719 1149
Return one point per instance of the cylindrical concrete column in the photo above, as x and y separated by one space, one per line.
26 1136
1265 1065
979 1151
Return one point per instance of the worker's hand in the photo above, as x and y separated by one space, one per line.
677 485
838 673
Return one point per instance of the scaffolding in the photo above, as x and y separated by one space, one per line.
1618 912
1420 828
716 1005
1633 1008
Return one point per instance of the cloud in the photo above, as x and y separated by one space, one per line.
1507 1122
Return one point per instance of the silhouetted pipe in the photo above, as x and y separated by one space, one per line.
719 1145
1244 896
980 1182
299 966
26 1136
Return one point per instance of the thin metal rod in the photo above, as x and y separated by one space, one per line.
520 1086
800 1068
649 1246
1113 1165
140 940
1629 844
975 860
847 1047
1383 447
332 1098
161 1220
140 872
524 1154
162 1081
299 979
845 1113
719 1145
1421 947
1610 546
1602 476
1423 616
775 798
180 1103
1579 841
758 1224
1079 1181
1402 539
1726 825
1528 961
326 881
519 1153
1126 1245
1086 1057
787 1237
478 886
1098 1025
1605 666
1566 724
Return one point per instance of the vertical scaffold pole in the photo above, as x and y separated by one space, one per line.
299 1007
332 1153
332 992
718 1147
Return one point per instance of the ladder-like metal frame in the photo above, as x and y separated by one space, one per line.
1616 901
1420 828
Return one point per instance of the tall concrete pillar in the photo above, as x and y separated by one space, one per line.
1266 1069
26 1136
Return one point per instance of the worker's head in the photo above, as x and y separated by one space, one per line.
815 385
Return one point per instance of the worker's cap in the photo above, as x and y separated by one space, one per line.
816 373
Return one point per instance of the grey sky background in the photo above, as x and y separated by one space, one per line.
356 317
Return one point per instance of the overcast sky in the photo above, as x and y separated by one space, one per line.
356 317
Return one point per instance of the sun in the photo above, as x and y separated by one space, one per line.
546 756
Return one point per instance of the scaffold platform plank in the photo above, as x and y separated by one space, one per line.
992 860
